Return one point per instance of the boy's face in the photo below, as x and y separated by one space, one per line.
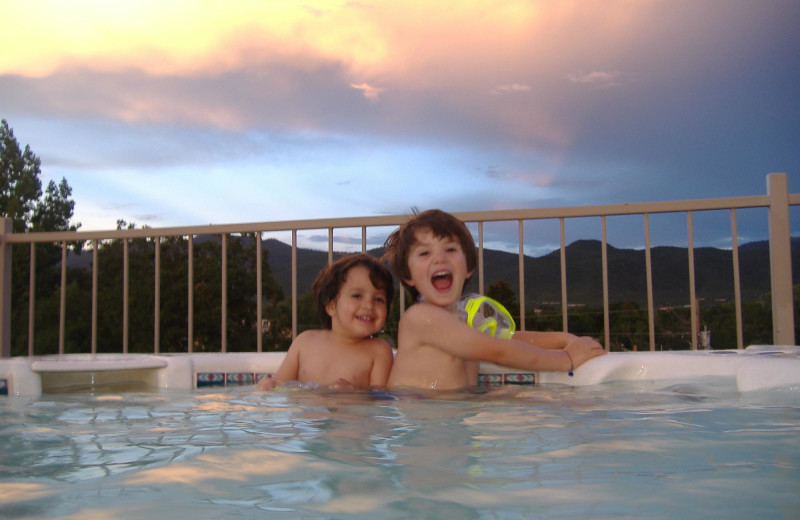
359 310
438 268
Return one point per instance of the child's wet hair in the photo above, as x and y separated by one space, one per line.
442 225
330 280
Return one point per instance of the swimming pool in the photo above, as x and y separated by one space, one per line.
663 447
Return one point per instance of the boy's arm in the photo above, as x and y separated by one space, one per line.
580 348
549 340
381 366
426 324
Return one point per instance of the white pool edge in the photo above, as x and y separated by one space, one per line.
758 367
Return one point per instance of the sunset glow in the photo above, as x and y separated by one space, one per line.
533 101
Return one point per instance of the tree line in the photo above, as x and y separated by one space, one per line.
32 208
629 325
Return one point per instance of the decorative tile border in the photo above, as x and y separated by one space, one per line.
519 379
490 379
207 379
523 378
210 379
240 379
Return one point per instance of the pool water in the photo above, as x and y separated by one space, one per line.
671 449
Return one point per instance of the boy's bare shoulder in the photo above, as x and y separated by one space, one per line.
421 316
423 311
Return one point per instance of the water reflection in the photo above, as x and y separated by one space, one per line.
513 453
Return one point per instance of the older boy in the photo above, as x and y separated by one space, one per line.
434 255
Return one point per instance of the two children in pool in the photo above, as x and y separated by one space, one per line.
434 256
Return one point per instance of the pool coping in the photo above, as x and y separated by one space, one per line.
754 368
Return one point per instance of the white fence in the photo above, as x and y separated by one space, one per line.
777 202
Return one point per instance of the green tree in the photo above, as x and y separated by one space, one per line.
20 187
545 318
502 292
673 330
629 327
241 325
31 209
21 190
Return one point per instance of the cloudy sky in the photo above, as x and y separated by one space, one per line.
184 112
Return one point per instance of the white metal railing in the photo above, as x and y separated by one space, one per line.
777 202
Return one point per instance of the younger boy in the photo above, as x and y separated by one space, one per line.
434 256
353 296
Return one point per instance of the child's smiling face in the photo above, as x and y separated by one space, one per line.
438 268
359 310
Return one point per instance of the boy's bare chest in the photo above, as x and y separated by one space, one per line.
439 369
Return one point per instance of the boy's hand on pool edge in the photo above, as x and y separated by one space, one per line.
582 349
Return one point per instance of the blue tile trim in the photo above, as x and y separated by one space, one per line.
239 378
519 379
3 386
209 379
490 379
523 378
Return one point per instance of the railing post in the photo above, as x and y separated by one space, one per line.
780 260
521 270
481 282
564 302
294 284
5 288
224 293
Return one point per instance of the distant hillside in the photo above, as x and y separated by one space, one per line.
764 244
626 272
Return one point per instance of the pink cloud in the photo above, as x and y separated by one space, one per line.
370 92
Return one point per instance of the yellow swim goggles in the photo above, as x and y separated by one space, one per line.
488 316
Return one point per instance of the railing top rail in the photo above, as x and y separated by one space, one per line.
394 220
636 208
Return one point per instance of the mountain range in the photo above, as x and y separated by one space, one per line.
626 272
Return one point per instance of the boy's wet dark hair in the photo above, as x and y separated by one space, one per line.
442 225
330 280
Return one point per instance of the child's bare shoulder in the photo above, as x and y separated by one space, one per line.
422 315
378 346
310 334
423 311
310 337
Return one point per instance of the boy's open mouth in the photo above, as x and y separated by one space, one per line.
442 280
